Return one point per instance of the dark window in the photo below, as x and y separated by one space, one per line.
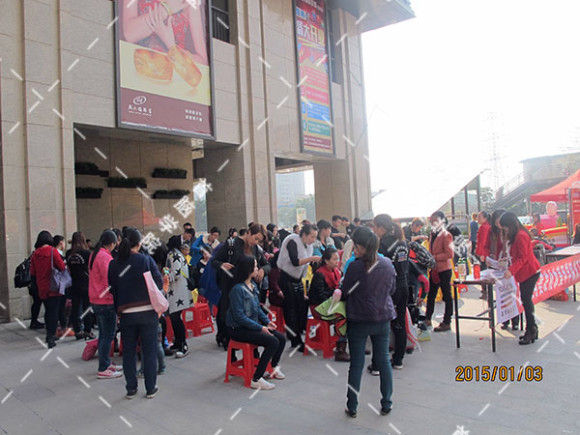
335 52
220 13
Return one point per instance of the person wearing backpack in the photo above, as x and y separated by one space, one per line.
225 262
44 258
78 265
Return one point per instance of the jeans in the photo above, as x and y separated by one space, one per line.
445 284
526 293
160 352
357 334
51 309
295 309
134 326
273 346
178 330
107 321
399 325
80 303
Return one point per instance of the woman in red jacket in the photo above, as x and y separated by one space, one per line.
40 268
441 247
523 266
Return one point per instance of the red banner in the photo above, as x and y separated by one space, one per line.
556 277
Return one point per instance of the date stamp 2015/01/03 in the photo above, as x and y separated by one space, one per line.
499 373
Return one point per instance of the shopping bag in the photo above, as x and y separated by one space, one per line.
160 304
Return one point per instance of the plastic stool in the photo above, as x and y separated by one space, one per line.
320 339
244 367
201 319
276 315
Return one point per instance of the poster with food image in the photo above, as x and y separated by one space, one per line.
164 75
313 76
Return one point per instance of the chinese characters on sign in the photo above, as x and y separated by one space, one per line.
313 74
164 79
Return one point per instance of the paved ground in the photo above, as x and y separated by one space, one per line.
58 393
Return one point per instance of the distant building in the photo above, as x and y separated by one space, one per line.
290 187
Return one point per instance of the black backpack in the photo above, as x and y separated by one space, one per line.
22 276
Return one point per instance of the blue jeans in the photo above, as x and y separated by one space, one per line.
357 334
107 321
134 326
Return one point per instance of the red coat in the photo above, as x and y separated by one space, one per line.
40 268
524 263
493 246
482 234
442 250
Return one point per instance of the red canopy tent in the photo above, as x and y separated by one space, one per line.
559 192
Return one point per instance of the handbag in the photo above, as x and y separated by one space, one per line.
90 349
158 301
190 282
59 279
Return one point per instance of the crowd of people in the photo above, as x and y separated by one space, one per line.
377 269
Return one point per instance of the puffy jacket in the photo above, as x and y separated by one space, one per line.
244 311
442 250
41 270
368 294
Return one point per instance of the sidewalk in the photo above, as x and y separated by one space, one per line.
56 392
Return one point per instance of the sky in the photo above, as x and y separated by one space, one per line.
465 76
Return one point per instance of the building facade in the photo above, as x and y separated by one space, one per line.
58 112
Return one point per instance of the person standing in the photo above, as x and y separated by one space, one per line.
178 296
44 257
367 288
225 262
441 247
523 266
473 228
103 303
295 255
138 318
413 232
247 323
337 235
481 251
78 265
393 246
186 237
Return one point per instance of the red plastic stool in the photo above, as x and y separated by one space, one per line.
214 308
320 338
244 367
276 315
169 334
201 319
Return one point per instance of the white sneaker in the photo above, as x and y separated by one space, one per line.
277 374
109 374
262 384
115 368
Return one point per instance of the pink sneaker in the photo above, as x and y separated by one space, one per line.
115 368
109 374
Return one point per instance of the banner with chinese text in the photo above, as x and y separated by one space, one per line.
163 65
313 76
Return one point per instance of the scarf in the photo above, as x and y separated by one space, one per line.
331 277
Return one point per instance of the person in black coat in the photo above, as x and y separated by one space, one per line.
225 262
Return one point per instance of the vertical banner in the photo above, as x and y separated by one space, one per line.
506 292
313 76
164 74
574 208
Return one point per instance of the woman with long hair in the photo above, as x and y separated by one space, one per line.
138 317
368 287
325 280
44 257
523 266
178 296
441 247
103 303
249 324
78 265
225 263
392 245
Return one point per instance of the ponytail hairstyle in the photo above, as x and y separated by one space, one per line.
131 238
366 238
107 238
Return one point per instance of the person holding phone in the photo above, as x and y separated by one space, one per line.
247 323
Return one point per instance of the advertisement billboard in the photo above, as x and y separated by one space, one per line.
164 69
313 76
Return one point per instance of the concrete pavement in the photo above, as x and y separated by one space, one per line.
57 392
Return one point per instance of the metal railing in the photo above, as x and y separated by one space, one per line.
220 24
